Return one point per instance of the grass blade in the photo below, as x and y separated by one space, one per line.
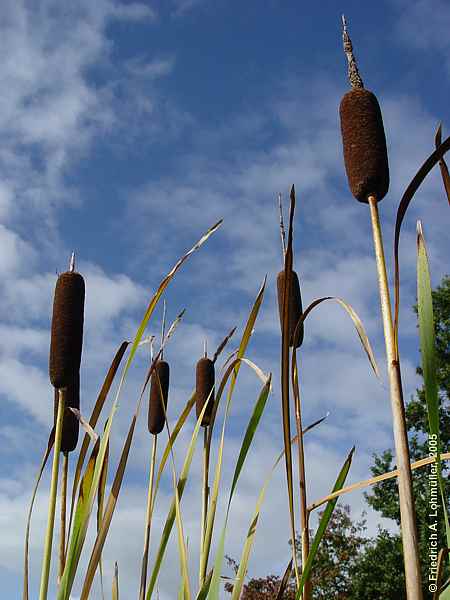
284 581
442 164
234 369
428 354
100 506
115 585
356 322
171 515
443 553
373 480
326 516
68 576
242 569
246 443
50 443
98 407
412 188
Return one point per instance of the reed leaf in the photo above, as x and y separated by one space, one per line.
408 195
73 556
284 581
374 480
222 345
181 421
100 506
203 592
98 407
171 515
246 443
445 595
427 336
326 516
442 164
356 322
243 562
234 369
51 441
443 553
68 575
115 585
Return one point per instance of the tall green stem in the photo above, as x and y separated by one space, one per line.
52 500
205 495
148 521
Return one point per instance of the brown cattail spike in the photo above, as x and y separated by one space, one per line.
295 306
67 329
205 379
363 137
71 426
159 383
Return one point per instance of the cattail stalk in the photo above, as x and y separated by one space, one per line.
407 510
205 499
62 538
52 500
302 477
148 520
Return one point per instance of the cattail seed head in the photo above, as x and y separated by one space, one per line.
364 145
67 329
159 383
295 306
71 425
205 379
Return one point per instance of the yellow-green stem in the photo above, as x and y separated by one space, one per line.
407 509
302 480
148 521
205 495
52 500
62 533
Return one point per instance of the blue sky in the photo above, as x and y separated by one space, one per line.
126 130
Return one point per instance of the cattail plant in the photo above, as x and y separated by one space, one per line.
295 339
204 391
159 391
295 297
366 163
64 365
204 388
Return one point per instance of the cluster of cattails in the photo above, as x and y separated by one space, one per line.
65 349
159 391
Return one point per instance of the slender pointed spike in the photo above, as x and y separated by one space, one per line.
353 74
72 262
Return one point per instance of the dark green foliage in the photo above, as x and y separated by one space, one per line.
378 572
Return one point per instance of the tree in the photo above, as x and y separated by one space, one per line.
341 545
